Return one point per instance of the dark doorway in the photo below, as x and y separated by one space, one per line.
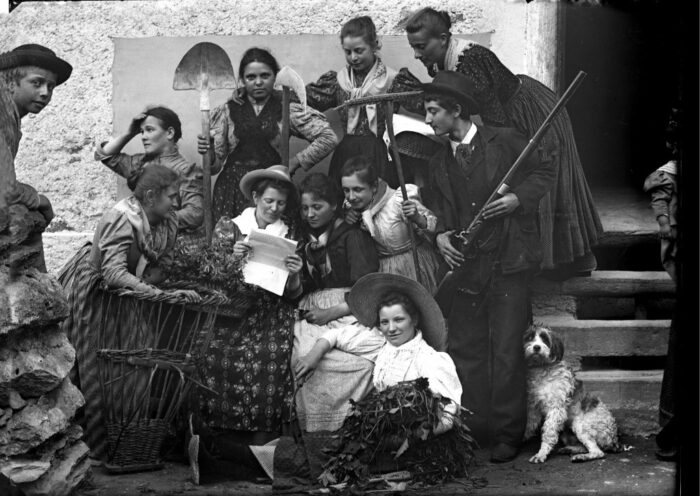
631 52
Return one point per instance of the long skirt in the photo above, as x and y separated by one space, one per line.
248 365
404 265
98 320
569 222
323 401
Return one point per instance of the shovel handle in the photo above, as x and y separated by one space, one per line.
206 180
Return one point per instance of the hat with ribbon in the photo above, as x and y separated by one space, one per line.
456 85
248 182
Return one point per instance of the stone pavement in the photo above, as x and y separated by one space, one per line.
633 472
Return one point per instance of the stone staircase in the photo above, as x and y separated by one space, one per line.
615 322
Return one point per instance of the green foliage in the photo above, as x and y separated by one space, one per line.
392 429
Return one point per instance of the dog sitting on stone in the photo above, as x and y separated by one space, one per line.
557 403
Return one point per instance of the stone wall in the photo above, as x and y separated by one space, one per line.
56 153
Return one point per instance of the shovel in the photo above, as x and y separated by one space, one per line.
289 80
205 67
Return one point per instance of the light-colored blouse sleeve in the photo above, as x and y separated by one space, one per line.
441 373
356 339
413 193
222 129
312 126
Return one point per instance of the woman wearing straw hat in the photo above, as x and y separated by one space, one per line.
248 360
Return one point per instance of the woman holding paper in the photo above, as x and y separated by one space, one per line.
248 362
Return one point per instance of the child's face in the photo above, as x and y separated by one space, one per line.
439 118
396 324
34 90
358 54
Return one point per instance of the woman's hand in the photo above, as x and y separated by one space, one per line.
242 249
305 365
319 316
352 216
204 144
186 294
293 165
410 211
135 125
452 256
294 263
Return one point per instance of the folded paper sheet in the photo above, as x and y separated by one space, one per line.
265 266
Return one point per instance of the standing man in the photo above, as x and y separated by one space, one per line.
486 298
28 76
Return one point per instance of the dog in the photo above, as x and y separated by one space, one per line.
556 402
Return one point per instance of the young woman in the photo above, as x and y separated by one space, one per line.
131 249
248 359
246 136
364 75
160 130
403 329
568 220
386 216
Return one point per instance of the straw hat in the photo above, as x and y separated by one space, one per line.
365 295
39 56
456 85
248 182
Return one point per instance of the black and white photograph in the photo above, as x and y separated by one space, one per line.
353 247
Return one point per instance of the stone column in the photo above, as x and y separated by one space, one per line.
544 38
41 452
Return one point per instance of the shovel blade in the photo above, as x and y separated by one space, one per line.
204 66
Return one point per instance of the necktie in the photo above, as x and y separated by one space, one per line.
463 155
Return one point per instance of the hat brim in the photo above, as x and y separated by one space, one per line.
249 181
443 89
365 295
37 58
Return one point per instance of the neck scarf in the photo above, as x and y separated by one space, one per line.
454 49
151 243
381 197
318 260
377 82
246 222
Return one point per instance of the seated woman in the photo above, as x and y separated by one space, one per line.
407 330
336 256
248 360
386 216
246 132
160 130
131 249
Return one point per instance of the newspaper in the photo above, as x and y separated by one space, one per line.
265 266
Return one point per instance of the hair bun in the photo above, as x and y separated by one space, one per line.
133 180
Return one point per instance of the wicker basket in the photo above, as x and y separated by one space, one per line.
135 446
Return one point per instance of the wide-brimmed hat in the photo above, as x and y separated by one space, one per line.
365 295
456 85
414 137
249 181
39 56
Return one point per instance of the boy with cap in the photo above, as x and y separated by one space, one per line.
485 298
28 76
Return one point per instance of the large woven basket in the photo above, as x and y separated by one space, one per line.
135 445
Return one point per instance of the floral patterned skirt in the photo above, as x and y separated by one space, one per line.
249 364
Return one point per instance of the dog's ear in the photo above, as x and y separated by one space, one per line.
556 350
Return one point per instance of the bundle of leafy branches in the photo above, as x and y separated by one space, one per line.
397 423
210 266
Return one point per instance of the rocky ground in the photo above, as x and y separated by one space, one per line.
633 472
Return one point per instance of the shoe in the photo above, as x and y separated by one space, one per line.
503 453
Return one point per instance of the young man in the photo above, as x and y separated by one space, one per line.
28 76
486 297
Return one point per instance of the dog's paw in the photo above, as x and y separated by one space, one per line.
538 458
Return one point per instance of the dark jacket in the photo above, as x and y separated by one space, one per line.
456 194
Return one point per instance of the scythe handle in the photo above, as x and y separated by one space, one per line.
206 180
284 146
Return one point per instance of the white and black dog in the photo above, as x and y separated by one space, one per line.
556 402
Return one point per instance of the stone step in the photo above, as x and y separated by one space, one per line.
610 338
624 389
609 283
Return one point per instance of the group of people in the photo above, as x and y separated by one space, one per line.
359 310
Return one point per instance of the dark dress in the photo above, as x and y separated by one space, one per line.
568 220
244 141
248 364
326 94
